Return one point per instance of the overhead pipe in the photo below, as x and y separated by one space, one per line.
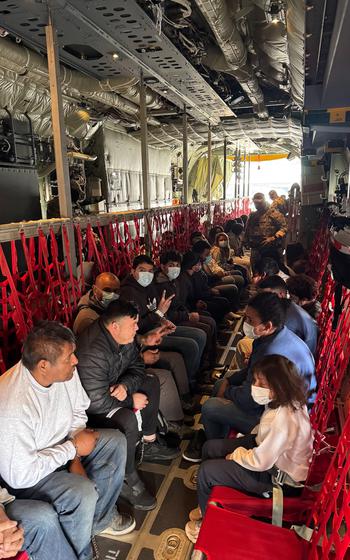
22 60
218 16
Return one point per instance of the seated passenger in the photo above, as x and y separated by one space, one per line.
224 256
195 289
33 526
235 232
196 236
297 320
213 233
46 452
233 407
281 442
167 280
92 304
267 267
140 288
303 291
227 285
114 376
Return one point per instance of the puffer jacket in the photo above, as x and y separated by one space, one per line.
103 363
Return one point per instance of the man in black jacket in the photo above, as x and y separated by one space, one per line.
139 287
167 278
122 395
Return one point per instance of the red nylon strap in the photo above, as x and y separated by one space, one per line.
80 256
66 307
21 325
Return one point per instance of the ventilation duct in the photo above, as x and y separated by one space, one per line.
272 134
24 87
218 16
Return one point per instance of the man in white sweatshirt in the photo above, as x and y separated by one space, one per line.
46 452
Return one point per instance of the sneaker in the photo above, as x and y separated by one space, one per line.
191 407
193 453
135 492
192 530
122 524
195 514
156 451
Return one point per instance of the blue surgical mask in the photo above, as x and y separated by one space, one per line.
145 278
173 272
208 259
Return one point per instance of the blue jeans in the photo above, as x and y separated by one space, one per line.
85 506
190 342
220 415
43 534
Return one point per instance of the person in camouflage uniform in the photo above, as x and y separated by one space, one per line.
265 231
278 202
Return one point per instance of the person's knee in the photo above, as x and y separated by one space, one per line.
80 495
210 407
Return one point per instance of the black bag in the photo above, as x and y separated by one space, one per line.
340 262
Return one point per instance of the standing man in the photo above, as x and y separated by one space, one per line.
46 452
265 231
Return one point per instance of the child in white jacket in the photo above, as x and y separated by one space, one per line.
283 439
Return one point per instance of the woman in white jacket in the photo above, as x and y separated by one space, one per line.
282 440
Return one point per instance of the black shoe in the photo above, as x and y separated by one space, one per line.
193 452
191 408
135 492
205 388
156 451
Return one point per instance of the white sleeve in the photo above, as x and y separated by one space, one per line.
81 403
21 464
264 456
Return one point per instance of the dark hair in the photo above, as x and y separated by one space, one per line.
189 260
200 246
302 286
295 252
119 309
195 234
213 233
169 256
259 196
266 266
237 228
273 283
270 307
244 218
300 267
140 259
284 379
45 342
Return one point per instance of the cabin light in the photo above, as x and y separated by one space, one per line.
115 56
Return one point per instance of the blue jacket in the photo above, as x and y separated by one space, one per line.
283 343
300 323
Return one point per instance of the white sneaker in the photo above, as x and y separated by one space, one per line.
122 524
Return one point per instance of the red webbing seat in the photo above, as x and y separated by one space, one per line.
226 534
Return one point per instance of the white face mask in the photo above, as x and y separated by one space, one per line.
173 272
261 395
223 243
108 297
249 331
145 278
